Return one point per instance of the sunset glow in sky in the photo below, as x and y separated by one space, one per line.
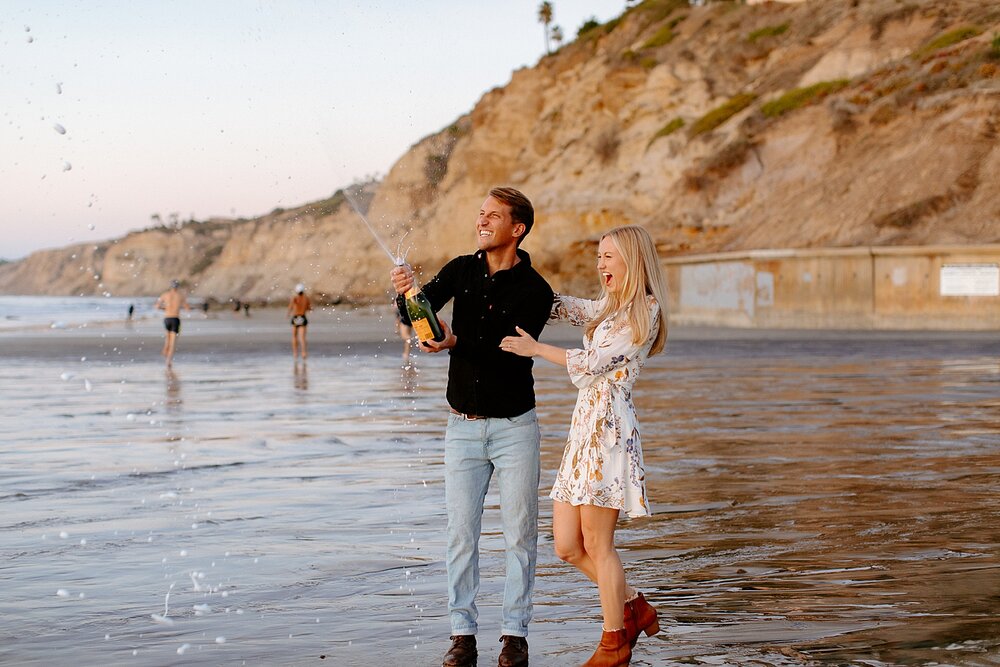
113 111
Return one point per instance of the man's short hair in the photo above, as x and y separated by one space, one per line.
521 209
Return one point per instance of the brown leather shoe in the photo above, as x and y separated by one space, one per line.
514 652
640 616
462 653
613 651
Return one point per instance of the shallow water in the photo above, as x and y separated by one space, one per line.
817 502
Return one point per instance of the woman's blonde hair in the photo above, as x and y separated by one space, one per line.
643 277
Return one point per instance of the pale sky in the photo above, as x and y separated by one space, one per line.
115 110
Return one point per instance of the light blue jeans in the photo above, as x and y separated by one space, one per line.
472 451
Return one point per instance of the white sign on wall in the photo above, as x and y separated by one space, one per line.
970 280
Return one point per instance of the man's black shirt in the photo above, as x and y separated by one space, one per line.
483 379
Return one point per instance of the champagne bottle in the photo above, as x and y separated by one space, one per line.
422 318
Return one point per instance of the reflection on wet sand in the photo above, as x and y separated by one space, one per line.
173 406
816 502
819 509
301 376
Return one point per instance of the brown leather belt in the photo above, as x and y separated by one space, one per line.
470 418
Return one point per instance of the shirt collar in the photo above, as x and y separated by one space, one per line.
521 254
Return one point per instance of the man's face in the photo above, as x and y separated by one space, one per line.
494 227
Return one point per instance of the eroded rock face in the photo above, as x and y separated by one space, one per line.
902 150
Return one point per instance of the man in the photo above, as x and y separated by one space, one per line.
171 302
492 425
298 306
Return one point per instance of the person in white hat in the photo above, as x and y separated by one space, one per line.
298 306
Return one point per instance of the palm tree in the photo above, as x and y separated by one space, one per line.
557 35
545 18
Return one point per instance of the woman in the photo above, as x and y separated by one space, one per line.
602 471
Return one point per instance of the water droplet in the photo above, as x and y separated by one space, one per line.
63 534
87 385
30 39
220 640
182 648
59 128
91 227
63 593
67 166
59 88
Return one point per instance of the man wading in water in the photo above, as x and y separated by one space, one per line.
492 425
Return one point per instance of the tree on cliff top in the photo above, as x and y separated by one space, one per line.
545 12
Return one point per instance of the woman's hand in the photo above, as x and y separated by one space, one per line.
523 345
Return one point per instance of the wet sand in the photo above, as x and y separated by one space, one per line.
819 498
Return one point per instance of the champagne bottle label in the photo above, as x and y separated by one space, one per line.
423 329
422 317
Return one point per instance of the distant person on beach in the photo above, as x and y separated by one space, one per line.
298 306
131 312
492 425
602 472
405 332
171 302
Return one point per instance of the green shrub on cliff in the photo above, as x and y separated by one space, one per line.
944 40
668 129
721 114
768 31
657 10
663 36
590 24
800 97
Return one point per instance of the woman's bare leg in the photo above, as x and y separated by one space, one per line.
598 527
567 533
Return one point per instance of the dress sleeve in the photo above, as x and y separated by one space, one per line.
572 309
608 352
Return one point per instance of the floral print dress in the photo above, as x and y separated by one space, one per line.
602 463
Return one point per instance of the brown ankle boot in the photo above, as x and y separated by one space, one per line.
640 616
613 651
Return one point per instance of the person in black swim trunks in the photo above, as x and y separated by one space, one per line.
298 306
171 302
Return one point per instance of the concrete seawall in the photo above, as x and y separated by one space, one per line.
907 287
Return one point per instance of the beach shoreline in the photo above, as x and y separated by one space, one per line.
336 330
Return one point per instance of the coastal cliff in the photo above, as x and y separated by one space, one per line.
833 123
